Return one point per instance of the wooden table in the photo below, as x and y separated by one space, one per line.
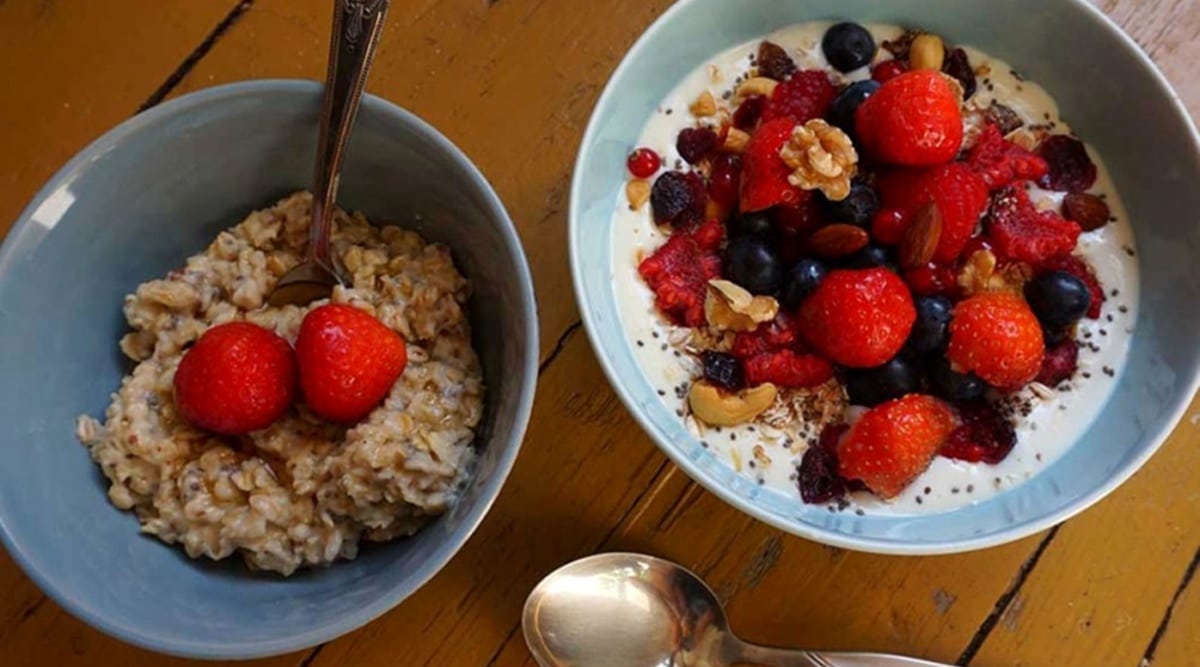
1111 587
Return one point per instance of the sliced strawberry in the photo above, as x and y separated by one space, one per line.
786 368
764 173
894 442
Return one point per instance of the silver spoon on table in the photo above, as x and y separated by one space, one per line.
631 610
357 25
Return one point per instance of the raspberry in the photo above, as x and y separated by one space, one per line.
725 179
778 334
806 95
888 70
817 476
1019 231
786 368
748 112
858 317
1060 363
696 143
959 193
958 65
678 198
1071 169
984 435
913 119
996 336
678 273
894 442
1081 270
764 173
774 62
1001 162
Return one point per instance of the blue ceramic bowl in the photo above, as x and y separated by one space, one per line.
1117 100
132 206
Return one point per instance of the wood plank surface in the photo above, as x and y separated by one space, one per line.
512 82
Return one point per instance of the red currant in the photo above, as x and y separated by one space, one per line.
643 163
888 69
725 179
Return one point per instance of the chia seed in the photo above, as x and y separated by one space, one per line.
1109 372
704 444
920 501
1123 308
860 512
1109 317
641 343
1115 292
954 489
661 392
668 111
664 347
654 334
970 488
1038 456
928 490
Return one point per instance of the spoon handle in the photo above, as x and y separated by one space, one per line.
357 25
766 656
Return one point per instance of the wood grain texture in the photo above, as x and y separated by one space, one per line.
513 82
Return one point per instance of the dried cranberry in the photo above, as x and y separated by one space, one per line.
818 478
696 143
831 435
643 162
724 180
1071 170
723 370
1060 363
678 198
774 62
748 112
958 66
984 435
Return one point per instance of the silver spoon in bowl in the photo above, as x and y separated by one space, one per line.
632 610
357 25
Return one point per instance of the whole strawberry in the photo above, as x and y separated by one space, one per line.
858 318
913 119
237 378
348 362
894 442
996 336
960 195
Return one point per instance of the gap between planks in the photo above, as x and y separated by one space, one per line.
1188 575
196 55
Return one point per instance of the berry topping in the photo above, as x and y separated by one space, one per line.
1071 170
725 180
807 95
888 225
1000 162
914 119
817 476
984 435
872 386
894 442
723 370
348 361
678 198
958 65
1081 270
848 46
751 262
858 317
778 334
948 384
764 173
787 368
643 163
888 70
678 273
932 279
931 331
748 112
857 208
841 113
774 62
1019 231
696 143
1060 363
1058 298
996 336
237 378
959 193
801 281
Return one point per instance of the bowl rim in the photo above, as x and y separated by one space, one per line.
491 489
812 531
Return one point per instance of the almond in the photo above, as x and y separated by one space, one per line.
1088 210
921 238
838 240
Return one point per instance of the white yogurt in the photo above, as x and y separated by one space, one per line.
1052 424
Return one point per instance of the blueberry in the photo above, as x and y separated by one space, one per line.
1058 299
841 114
856 209
757 223
872 386
752 263
870 257
723 370
801 281
949 384
931 331
848 46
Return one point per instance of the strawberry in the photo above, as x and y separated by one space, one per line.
348 362
806 95
1021 232
959 193
913 119
1081 270
996 336
679 270
237 378
1000 162
786 368
894 442
858 317
764 173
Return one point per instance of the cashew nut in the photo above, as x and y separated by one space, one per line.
637 191
704 106
717 408
759 85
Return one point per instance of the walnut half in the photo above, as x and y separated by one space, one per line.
821 157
